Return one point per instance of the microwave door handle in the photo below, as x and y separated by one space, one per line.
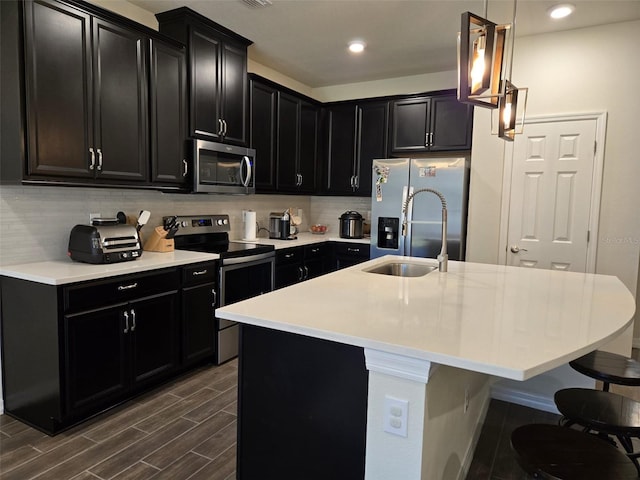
247 162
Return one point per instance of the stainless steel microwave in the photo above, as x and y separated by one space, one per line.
220 168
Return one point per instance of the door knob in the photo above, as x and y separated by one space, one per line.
516 249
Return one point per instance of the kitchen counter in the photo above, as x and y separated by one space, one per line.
506 321
61 272
306 238
429 345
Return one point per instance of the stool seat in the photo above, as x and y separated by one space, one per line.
601 411
558 453
608 368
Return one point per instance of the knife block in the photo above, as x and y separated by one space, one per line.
157 241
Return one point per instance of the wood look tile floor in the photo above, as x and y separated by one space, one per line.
184 429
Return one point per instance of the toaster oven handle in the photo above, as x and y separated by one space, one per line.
247 162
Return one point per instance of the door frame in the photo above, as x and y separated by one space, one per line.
596 183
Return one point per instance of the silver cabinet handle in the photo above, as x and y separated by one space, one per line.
288 255
99 167
185 168
356 181
126 322
300 274
92 158
315 250
215 298
354 250
306 272
426 139
247 180
224 132
127 287
431 139
220 131
516 249
201 272
133 319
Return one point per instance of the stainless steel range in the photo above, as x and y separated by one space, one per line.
245 269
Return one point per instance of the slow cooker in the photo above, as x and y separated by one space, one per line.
351 223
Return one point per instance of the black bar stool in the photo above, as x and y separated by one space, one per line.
557 453
608 368
602 412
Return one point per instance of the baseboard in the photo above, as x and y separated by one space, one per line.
527 399
468 456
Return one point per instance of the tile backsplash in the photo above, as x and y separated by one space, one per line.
35 221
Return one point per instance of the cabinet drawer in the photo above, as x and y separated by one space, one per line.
89 295
289 255
316 251
199 273
353 249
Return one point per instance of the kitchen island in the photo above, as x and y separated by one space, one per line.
432 343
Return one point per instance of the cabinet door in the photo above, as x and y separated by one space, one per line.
341 152
289 274
308 148
58 89
233 73
451 124
287 142
263 135
96 351
204 121
373 122
198 321
121 126
154 336
410 125
168 107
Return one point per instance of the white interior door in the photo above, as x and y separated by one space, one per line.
551 195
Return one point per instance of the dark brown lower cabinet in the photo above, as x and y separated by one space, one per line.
302 407
71 351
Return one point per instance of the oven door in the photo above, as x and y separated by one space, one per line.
239 279
223 168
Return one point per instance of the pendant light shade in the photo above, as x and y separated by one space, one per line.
481 46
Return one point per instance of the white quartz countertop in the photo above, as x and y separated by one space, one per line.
506 321
61 272
307 238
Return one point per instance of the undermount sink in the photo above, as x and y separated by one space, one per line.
401 269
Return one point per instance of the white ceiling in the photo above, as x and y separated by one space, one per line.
307 39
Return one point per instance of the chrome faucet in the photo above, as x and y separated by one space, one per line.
443 257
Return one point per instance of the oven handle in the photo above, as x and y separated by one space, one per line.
247 259
247 162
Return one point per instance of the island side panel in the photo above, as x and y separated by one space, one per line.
302 407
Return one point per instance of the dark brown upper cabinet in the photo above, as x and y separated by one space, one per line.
357 133
217 60
430 124
284 134
168 114
86 95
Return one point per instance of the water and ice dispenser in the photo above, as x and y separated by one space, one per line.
388 232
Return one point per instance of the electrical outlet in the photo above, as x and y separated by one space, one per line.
92 216
396 412
466 400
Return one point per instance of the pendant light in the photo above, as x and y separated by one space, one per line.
484 77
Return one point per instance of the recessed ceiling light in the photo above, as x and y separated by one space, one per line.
357 46
561 11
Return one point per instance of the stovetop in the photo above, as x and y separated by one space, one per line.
210 234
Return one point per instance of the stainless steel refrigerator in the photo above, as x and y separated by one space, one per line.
393 180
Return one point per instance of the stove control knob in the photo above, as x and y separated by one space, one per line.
184 224
225 221
219 221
